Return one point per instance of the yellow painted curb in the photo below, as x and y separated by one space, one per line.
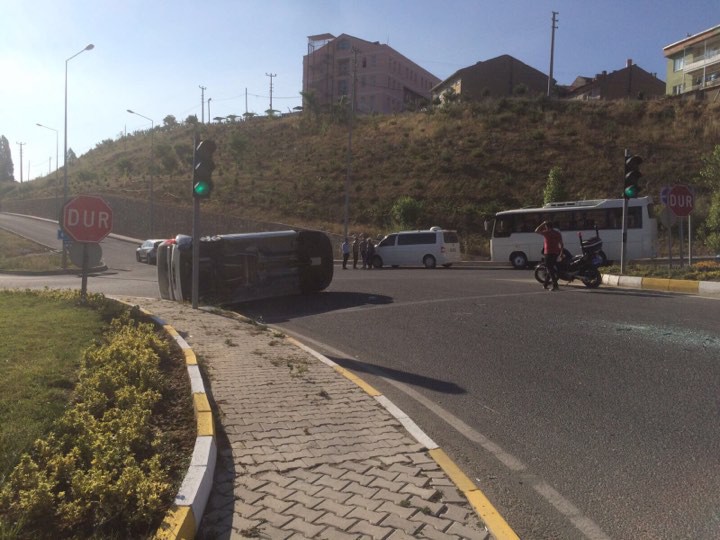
483 507
203 415
179 523
477 500
357 380
673 285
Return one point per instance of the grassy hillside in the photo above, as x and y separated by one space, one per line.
464 162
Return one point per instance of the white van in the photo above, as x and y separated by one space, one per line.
418 248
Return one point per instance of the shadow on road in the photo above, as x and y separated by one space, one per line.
277 310
400 376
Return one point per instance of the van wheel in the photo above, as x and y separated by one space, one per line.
376 261
518 260
429 261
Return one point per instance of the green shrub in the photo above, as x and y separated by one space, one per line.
100 471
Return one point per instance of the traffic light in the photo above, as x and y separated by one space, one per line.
203 168
632 176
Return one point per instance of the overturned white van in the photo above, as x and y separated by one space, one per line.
429 248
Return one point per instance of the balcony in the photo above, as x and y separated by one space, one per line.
712 57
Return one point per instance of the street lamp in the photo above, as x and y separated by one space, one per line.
152 172
57 165
65 177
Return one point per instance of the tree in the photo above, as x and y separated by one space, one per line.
554 188
406 212
310 103
192 120
710 179
169 121
6 163
71 157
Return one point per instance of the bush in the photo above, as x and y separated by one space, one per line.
100 471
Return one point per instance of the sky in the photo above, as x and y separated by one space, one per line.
152 56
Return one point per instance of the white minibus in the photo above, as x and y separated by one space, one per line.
514 238
430 248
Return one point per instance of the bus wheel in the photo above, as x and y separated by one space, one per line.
518 260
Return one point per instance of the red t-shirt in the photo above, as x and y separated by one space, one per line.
553 242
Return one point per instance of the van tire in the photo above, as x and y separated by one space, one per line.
518 260
429 261
376 261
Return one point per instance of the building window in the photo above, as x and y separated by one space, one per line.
678 63
344 67
373 60
677 89
343 44
343 87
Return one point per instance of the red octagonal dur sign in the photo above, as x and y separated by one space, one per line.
87 218
681 200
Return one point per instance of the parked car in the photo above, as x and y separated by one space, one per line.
147 251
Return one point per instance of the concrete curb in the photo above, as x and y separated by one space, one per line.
495 523
183 519
685 286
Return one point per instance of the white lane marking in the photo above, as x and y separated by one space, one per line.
585 525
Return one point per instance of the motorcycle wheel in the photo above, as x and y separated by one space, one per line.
592 278
541 273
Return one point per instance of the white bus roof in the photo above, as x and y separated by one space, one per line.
579 205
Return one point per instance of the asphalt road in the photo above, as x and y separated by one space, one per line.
580 414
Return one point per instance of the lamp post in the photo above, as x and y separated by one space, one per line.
152 171
57 165
65 173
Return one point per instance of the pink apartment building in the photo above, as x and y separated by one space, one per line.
385 81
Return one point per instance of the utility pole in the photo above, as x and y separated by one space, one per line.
346 214
271 75
552 51
21 144
209 117
202 103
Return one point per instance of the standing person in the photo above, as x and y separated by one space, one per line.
355 251
552 248
370 252
363 253
345 253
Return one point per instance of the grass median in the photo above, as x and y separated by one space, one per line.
96 418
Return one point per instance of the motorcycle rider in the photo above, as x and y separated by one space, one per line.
552 249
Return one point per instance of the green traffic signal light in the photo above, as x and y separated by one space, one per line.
632 176
203 167
202 188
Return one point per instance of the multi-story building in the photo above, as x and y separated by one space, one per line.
693 63
385 80
630 82
497 77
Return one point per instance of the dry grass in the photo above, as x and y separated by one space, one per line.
464 163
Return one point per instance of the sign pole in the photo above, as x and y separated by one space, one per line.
83 286
682 242
689 240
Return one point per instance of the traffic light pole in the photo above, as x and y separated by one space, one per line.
195 235
623 251
195 252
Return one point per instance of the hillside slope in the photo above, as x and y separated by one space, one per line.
464 162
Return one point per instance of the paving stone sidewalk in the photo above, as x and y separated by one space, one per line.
303 452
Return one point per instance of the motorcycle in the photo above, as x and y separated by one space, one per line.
583 267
